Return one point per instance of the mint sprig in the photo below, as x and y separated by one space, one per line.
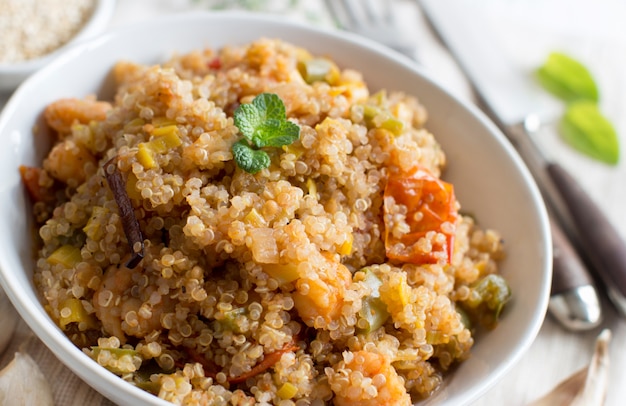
263 123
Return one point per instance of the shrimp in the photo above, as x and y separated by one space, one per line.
319 294
70 163
62 114
38 184
126 311
371 381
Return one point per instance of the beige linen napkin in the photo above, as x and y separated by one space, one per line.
67 388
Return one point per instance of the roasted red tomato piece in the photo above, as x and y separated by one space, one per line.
431 213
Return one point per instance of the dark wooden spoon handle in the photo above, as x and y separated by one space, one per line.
599 239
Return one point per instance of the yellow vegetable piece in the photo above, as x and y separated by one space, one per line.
287 391
131 186
145 156
166 138
294 149
66 255
352 90
404 292
312 186
133 125
162 122
72 311
481 266
93 228
255 219
395 292
337 90
165 130
283 273
346 247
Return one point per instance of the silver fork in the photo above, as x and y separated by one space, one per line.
371 19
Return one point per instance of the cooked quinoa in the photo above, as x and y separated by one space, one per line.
343 272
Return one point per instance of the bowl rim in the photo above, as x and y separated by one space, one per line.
96 23
60 345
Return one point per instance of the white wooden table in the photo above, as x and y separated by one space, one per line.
556 353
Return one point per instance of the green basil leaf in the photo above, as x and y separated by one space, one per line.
585 128
248 159
567 78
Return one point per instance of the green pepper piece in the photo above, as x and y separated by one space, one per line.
392 125
567 78
373 310
315 70
229 321
465 319
116 353
586 129
379 98
492 291
143 375
149 386
435 337
369 112
377 117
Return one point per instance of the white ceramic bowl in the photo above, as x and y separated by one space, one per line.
12 74
489 178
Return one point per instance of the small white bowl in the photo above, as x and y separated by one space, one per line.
490 180
12 74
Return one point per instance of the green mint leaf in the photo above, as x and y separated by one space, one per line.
264 123
248 118
271 106
567 78
248 159
277 134
586 129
